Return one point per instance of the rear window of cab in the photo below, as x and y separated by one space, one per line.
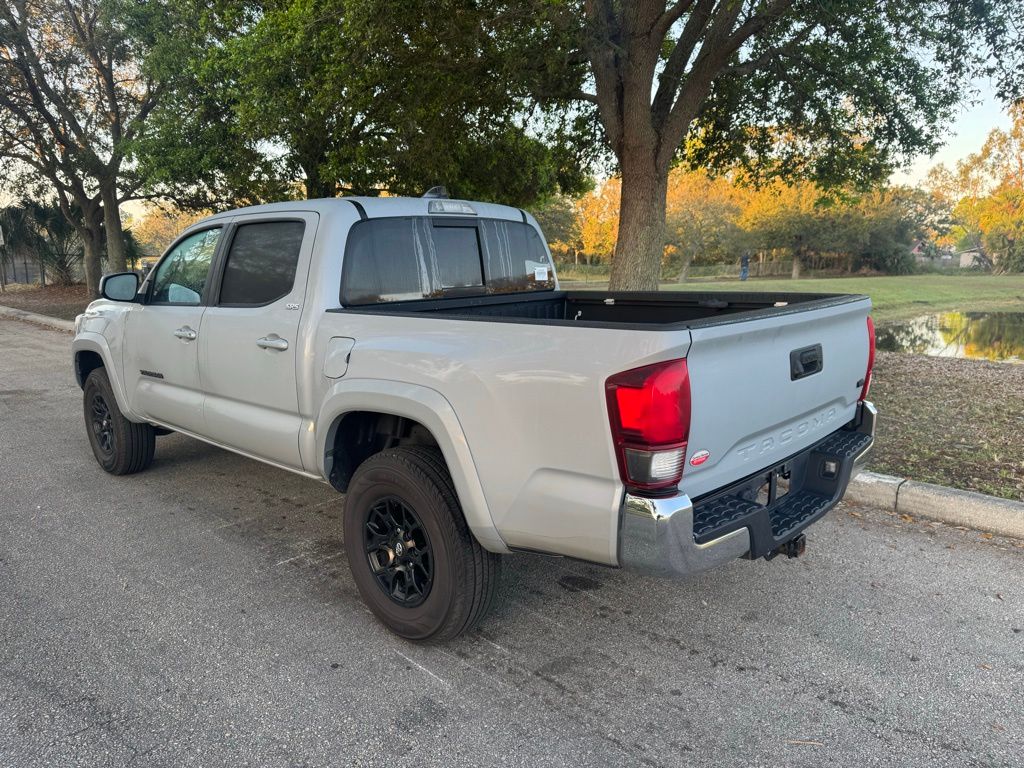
424 257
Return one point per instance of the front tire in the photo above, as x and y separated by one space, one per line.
121 447
412 556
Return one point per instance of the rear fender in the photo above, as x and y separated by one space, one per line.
433 411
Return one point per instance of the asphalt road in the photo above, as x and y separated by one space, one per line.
202 613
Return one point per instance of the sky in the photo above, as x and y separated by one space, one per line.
966 135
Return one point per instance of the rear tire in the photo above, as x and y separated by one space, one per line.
121 447
412 556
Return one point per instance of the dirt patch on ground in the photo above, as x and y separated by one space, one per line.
63 301
951 422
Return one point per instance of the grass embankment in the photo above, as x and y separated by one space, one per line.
63 301
895 298
951 422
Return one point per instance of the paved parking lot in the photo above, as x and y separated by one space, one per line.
202 613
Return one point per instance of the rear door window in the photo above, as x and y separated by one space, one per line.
421 257
261 263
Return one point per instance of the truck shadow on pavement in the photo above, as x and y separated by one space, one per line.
837 639
297 522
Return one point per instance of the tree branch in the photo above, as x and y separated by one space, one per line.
602 47
671 76
35 78
671 15
85 31
753 65
720 43
752 26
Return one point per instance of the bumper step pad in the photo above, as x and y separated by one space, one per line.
813 490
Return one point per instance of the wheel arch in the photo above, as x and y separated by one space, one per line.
87 361
91 351
410 412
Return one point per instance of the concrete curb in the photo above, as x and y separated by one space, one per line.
32 317
937 502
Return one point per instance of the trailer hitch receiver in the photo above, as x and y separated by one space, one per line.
792 548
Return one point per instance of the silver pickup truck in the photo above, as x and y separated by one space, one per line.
420 356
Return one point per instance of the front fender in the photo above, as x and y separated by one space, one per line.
433 411
89 341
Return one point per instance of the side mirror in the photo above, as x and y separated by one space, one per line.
121 286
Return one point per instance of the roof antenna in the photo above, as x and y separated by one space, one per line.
441 192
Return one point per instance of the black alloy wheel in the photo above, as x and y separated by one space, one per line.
121 447
102 425
417 565
398 550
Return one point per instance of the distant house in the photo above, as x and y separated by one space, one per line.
925 253
971 258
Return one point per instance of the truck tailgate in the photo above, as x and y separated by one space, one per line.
765 389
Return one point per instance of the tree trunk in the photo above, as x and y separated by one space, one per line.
684 273
91 233
316 185
636 265
93 245
796 264
116 251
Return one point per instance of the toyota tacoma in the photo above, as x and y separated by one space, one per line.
420 356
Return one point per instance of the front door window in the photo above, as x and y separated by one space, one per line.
181 276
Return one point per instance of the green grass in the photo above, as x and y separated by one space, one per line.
895 298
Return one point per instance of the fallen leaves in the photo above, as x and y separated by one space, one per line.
916 396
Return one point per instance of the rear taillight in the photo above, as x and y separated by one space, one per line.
871 359
649 410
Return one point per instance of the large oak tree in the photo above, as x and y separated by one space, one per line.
831 90
291 97
74 96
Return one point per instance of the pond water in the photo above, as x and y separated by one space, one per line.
995 336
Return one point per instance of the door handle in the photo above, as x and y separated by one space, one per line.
805 362
186 333
273 341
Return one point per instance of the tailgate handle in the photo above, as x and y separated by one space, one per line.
805 362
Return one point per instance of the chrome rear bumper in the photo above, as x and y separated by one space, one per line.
656 535
656 538
867 414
